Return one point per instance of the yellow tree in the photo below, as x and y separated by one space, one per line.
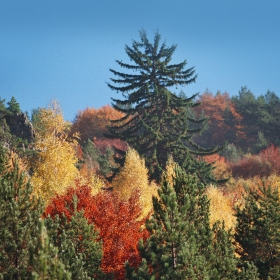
134 177
220 207
54 167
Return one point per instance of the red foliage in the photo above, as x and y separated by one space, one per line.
79 152
102 144
92 123
272 155
250 166
116 221
224 123
261 165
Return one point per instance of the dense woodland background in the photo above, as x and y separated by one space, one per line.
78 203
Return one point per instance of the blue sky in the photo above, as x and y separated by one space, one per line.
56 49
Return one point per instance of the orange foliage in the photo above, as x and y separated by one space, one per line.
221 168
92 123
224 123
116 220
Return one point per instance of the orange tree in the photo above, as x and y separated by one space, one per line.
91 123
224 123
117 222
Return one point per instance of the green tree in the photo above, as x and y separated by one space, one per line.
156 122
181 244
5 135
76 239
44 259
13 106
260 116
180 233
257 233
19 217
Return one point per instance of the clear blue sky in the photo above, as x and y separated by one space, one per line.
56 49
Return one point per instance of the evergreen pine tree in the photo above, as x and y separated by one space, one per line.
180 243
76 239
257 233
19 217
157 122
13 106
44 259
5 135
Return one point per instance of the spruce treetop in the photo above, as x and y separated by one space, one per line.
155 69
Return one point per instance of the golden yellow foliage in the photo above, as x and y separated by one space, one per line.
170 170
134 177
89 177
54 167
274 181
220 207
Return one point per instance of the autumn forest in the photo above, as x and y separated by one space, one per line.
158 185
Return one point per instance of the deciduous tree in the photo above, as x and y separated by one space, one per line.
133 177
54 167
117 221
224 123
92 123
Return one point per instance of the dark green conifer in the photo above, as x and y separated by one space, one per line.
95 159
257 232
156 122
19 217
13 106
180 243
44 261
5 135
76 239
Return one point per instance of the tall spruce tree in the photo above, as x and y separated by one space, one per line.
156 121
257 233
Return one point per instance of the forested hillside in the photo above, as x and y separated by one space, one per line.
160 185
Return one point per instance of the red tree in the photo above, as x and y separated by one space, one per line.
224 123
117 222
263 164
